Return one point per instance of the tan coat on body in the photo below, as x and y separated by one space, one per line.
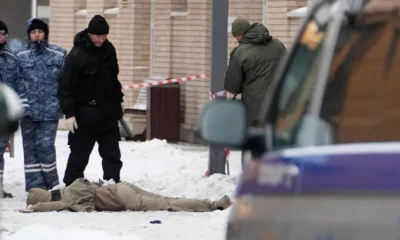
136 199
84 196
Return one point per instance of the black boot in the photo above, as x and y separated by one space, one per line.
5 194
222 204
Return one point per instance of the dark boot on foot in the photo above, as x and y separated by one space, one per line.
5 194
223 203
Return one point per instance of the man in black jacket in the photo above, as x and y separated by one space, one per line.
91 97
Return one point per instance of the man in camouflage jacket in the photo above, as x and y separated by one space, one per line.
41 64
10 75
85 196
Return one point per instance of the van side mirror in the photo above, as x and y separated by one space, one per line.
224 123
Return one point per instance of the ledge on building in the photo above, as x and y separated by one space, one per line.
111 11
81 12
179 13
297 13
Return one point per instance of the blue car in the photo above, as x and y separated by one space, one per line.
326 165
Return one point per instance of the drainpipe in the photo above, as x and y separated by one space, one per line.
264 7
33 8
152 30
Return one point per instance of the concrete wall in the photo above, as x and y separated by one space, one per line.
16 25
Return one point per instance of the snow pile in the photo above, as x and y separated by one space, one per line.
153 165
155 146
105 182
59 186
158 166
52 232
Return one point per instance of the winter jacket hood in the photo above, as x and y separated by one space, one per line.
83 41
257 34
29 23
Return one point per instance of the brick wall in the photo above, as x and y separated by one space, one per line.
182 48
278 23
181 42
134 50
62 25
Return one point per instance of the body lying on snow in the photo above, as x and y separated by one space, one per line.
85 196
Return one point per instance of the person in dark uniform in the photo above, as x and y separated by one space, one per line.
40 63
91 97
10 75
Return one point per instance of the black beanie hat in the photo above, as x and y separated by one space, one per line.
38 24
3 27
98 26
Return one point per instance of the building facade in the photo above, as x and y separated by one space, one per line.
170 37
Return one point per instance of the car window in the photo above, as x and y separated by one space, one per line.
298 83
361 95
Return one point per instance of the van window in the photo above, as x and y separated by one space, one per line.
362 97
298 83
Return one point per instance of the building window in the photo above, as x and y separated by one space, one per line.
179 5
43 10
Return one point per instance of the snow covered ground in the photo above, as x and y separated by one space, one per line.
169 169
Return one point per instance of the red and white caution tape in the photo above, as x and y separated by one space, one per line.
167 81
8 148
212 96
221 93
227 154
134 68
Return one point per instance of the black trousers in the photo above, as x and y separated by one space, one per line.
81 144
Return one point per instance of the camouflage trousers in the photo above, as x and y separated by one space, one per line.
3 146
39 154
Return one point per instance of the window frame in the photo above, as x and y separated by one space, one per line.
327 51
